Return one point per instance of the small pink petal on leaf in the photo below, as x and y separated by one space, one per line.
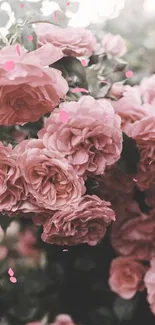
10 272
9 65
129 74
18 49
13 279
105 82
79 90
55 16
84 62
30 38
64 116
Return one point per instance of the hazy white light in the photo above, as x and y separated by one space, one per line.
48 7
149 7
5 6
95 10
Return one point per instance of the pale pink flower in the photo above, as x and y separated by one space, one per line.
63 319
87 223
11 188
31 89
130 107
72 41
133 232
48 177
143 132
147 88
114 45
149 281
91 140
126 276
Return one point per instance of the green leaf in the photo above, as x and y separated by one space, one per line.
23 38
124 309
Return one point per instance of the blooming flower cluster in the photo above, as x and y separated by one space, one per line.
46 178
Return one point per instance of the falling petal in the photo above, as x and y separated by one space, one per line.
18 49
79 90
10 272
13 279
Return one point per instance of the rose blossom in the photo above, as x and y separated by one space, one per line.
86 223
31 89
48 177
26 244
114 45
11 188
129 107
63 319
126 276
149 281
147 87
133 232
90 140
143 132
72 41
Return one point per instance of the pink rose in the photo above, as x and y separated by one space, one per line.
143 132
147 87
114 45
149 281
31 89
133 232
11 188
48 177
63 319
26 244
129 107
86 223
91 140
3 252
117 90
126 277
72 41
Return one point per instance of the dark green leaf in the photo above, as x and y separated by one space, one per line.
124 309
129 156
24 35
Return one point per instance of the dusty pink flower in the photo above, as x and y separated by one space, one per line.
90 140
114 45
63 319
72 41
48 177
149 281
86 223
31 89
117 90
26 244
129 107
147 87
126 276
3 252
11 188
143 132
133 232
